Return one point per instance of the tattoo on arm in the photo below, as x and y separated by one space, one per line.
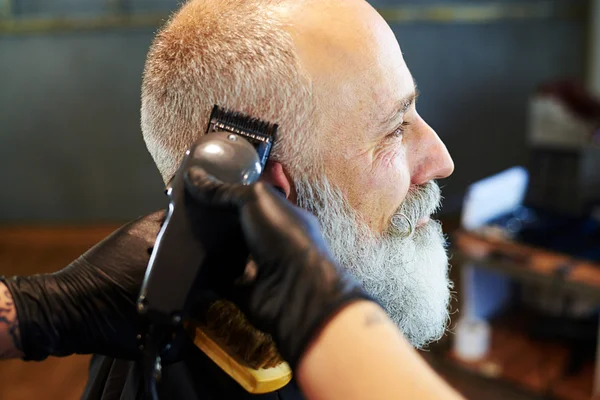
9 324
374 317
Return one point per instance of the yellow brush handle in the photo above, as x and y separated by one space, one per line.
255 381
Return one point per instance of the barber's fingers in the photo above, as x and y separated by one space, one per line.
258 199
209 190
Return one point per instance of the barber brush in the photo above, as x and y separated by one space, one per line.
235 149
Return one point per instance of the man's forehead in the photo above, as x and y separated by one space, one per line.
333 34
351 54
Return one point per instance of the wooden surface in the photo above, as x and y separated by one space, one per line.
30 250
529 263
514 357
535 366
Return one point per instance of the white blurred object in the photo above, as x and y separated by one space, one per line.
472 339
563 115
552 124
493 197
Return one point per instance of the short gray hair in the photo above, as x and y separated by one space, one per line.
233 53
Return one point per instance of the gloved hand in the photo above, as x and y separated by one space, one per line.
89 306
296 286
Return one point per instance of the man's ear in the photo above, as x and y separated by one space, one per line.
276 176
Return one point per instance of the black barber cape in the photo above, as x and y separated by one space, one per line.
197 377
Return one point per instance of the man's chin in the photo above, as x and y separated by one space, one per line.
430 287
410 280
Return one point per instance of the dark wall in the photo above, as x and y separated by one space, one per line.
71 149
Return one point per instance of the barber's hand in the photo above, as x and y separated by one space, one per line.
296 286
90 306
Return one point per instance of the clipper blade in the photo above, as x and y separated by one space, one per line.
259 133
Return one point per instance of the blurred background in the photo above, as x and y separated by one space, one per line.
508 85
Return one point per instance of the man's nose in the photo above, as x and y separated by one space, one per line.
430 158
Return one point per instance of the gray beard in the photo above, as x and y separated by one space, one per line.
408 275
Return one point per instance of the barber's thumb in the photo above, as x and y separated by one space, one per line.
207 189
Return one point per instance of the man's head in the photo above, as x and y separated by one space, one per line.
352 147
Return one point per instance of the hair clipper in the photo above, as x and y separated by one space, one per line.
234 149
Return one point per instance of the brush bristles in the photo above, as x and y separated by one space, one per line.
234 121
230 328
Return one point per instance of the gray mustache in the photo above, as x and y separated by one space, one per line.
420 202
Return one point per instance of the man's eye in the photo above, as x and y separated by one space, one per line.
399 132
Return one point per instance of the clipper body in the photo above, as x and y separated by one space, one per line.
235 149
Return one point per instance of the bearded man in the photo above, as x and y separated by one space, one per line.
351 149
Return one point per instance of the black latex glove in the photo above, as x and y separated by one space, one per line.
297 285
90 306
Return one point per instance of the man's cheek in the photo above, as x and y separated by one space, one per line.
390 156
390 168
390 182
393 159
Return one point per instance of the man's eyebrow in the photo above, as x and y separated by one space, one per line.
400 108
